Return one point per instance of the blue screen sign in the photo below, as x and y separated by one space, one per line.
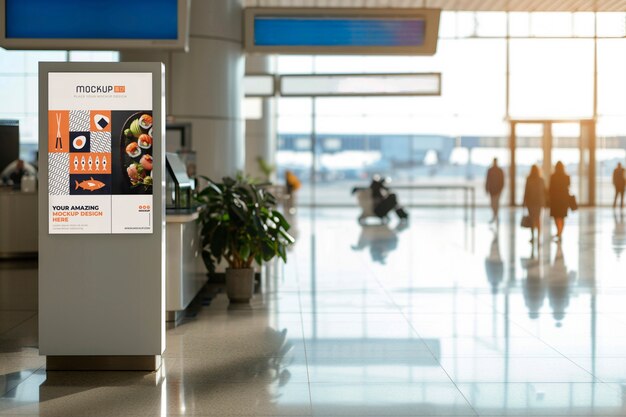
338 32
92 19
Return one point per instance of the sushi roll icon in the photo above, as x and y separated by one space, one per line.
101 121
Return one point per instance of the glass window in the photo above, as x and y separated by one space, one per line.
490 24
611 25
294 64
448 139
447 25
465 24
584 24
452 138
551 78
19 87
611 149
519 24
13 90
612 77
550 24
94 56
611 128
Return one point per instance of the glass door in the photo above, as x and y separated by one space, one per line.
567 147
528 148
547 142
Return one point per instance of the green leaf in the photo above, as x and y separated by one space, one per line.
282 253
244 251
290 239
281 219
239 208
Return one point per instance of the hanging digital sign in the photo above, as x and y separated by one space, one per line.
94 25
361 31
100 152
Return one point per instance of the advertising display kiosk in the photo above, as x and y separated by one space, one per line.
101 215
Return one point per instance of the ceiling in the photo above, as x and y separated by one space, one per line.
459 5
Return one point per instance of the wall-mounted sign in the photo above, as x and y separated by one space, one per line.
100 149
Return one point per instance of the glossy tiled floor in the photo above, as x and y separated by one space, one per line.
437 318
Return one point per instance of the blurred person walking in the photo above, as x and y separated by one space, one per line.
534 201
620 184
560 199
292 184
494 185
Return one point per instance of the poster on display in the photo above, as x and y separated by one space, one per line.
100 150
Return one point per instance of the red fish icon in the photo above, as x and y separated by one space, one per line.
90 184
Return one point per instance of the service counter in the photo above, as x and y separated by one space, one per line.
18 224
186 275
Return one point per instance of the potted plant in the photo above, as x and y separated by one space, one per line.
240 224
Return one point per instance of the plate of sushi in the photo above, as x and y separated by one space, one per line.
136 152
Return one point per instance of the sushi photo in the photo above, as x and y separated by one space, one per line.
146 162
135 153
145 141
145 121
133 150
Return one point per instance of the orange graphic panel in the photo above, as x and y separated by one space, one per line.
58 131
90 163
100 120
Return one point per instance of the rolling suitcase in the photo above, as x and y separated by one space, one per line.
401 212
386 205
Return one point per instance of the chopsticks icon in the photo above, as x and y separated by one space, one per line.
59 143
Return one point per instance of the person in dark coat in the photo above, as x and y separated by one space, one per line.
620 184
535 200
559 197
379 189
494 186
17 175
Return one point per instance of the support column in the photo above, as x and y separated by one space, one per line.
205 85
547 151
261 133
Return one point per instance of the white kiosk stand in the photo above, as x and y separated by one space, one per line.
101 215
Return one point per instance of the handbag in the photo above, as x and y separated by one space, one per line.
573 204
526 223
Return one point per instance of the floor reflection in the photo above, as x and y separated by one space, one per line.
380 238
619 233
494 266
404 322
534 287
560 282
